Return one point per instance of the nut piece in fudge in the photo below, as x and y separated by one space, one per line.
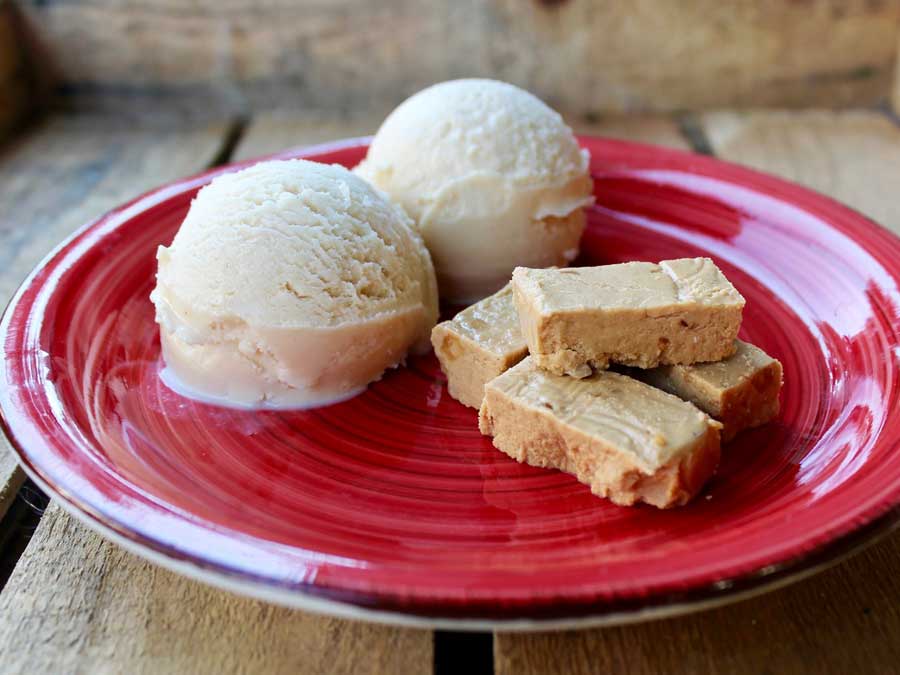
480 343
740 391
628 441
637 314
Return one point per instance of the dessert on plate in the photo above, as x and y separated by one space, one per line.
484 340
740 391
647 434
628 441
639 314
478 344
492 176
290 284
293 284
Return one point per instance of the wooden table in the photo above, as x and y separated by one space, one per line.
76 603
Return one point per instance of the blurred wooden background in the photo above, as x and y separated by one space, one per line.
583 56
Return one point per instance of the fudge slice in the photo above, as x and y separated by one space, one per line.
637 314
628 441
740 391
479 343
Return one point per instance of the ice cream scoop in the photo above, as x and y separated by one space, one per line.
492 176
290 284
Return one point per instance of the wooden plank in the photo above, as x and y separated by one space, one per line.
844 620
69 170
76 603
853 156
895 91
654 129
11 476
580 54
274 132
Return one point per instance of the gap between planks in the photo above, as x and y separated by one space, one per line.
845 619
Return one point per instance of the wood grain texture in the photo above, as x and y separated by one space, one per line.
853 156
65 172
281 130
582 55
653 129
844 620
76 603
11 476
895 91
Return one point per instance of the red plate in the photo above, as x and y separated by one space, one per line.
393 506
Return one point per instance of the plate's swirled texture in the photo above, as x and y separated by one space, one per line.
394 501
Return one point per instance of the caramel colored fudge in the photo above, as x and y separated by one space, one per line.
637 314
740 391
479 344
628 441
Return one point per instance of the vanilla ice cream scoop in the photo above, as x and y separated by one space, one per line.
492 176
290 284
